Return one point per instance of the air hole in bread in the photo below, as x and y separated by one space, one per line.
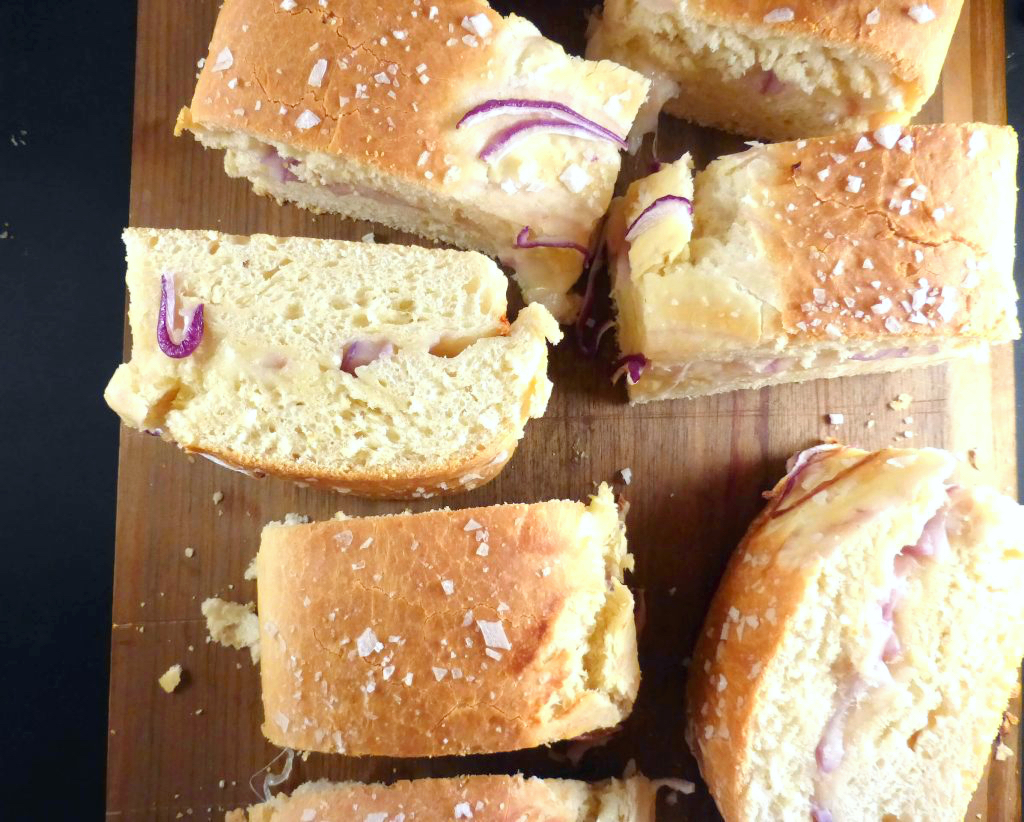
293 311
213 248
447 348
160 408
912 740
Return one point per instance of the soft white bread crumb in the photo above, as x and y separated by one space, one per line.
466 797
171 678
233 625
264 392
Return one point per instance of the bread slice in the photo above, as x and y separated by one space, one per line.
447 632
854 254
285 379
783 70
863 643
345 108
481 798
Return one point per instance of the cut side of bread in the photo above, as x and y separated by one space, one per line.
481 798
863 643
855 254
360 112
447 632
781 72
375 370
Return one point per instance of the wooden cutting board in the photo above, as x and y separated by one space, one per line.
698 468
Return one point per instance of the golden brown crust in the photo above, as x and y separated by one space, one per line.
373 93
373 643
354 101
455 477
941 212
916 51
273 52
848 243
482 798
847 66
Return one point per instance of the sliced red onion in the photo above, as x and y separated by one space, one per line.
583 743
507 138
231 466
341 189
656 212
892 649
603 329
820 814
363 352
633 366
684 786
770 83
933 540
795 466
884 354
279 166
193 325
523 241
831 749
548 109
585 321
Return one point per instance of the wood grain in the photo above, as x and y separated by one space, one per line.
698 470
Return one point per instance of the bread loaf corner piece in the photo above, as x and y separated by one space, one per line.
863 643
853 254
447 632
481 798
376 370
358 111
783 70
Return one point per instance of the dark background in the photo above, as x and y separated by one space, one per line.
66 76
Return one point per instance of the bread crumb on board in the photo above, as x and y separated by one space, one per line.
218 497
171 678
190 552
233 625
901 403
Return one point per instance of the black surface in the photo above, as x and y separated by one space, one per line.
1015 116
66 91
66 72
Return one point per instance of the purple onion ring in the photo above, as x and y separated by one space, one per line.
193 326
279 166
593 265
523 241
547 108
655 212
633 366
363 352
503 140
